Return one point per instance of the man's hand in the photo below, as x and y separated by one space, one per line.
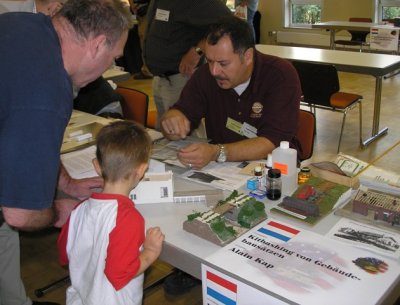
189 62
133 6
198 155
83 188
175 125
79 188
63 208
52 8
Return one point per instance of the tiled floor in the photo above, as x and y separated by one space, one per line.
38 252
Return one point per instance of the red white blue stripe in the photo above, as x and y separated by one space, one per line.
374 31
220 290
278 231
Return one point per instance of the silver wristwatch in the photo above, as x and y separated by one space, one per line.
222 154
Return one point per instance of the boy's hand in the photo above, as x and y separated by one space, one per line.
153 241
151 248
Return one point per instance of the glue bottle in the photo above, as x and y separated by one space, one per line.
258 173
284 158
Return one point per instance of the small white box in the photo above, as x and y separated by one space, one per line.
154 188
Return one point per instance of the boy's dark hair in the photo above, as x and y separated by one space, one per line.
238 30
121 147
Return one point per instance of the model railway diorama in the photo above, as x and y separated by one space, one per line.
229 219
313 200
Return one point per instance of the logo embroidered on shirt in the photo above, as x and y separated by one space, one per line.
257 109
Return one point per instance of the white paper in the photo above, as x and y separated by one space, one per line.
79 163
224 176
367 237
166 150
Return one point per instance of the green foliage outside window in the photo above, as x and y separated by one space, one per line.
390 12
306 14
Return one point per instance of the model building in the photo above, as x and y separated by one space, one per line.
385 207
226 221
313 200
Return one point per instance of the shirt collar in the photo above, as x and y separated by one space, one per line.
240 88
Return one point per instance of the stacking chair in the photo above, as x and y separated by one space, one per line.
135 104
321 89
306 134
358 38
151 119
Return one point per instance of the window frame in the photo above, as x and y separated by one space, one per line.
380 4
288 12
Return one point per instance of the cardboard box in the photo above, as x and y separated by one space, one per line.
352 182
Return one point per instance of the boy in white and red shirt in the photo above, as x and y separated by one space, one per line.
104 240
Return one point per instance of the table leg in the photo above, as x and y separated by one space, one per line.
332 38
376 133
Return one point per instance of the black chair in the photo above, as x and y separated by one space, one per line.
321 89
97 97
358 38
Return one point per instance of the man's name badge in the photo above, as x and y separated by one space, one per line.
162 15
248 131
244 129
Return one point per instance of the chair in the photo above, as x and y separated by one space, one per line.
306 134
358 38
135 104
321 89
152 119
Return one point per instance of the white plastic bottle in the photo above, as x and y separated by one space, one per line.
284 158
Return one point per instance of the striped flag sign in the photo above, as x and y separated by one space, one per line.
279 231
374 31
220 291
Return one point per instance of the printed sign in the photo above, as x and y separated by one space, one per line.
384 39
300 266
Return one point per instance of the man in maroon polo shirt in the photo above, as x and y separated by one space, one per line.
250 101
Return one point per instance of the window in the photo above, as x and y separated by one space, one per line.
302 13
388 10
